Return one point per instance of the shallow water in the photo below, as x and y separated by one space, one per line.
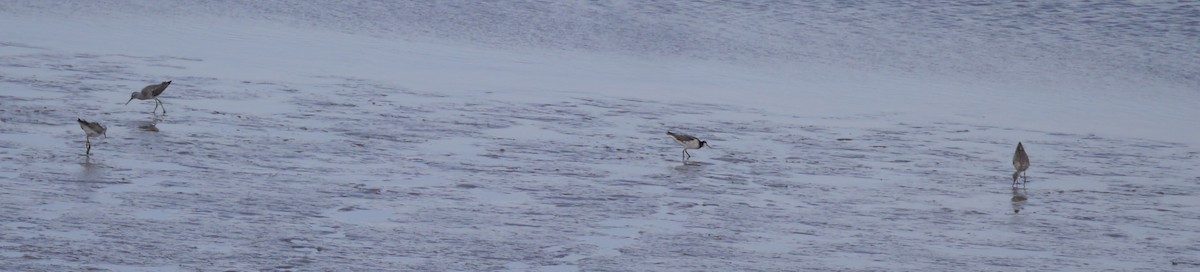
404 155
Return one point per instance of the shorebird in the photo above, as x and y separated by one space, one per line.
91 129
151 92
1020 162
688 142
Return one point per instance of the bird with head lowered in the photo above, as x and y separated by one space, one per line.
688 142
151 92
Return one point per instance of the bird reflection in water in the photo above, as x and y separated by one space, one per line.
1019 196
152 125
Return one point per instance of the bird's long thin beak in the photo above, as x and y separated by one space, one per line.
127 102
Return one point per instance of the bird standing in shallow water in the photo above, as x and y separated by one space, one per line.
1021 163
152 92
688 142
91 129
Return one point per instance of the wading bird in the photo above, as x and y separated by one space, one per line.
1020 162
152 92
91 129
688 142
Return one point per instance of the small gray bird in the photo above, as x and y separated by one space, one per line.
152 92
1021 163
688 142
91 129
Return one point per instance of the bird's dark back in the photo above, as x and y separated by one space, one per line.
161 87
1020 158
681 137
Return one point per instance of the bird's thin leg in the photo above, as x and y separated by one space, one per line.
164 106
689 155
89 146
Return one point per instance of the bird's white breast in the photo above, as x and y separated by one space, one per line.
693 144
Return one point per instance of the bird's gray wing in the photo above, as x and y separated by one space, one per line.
158 89
95 126
682 137
149 90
